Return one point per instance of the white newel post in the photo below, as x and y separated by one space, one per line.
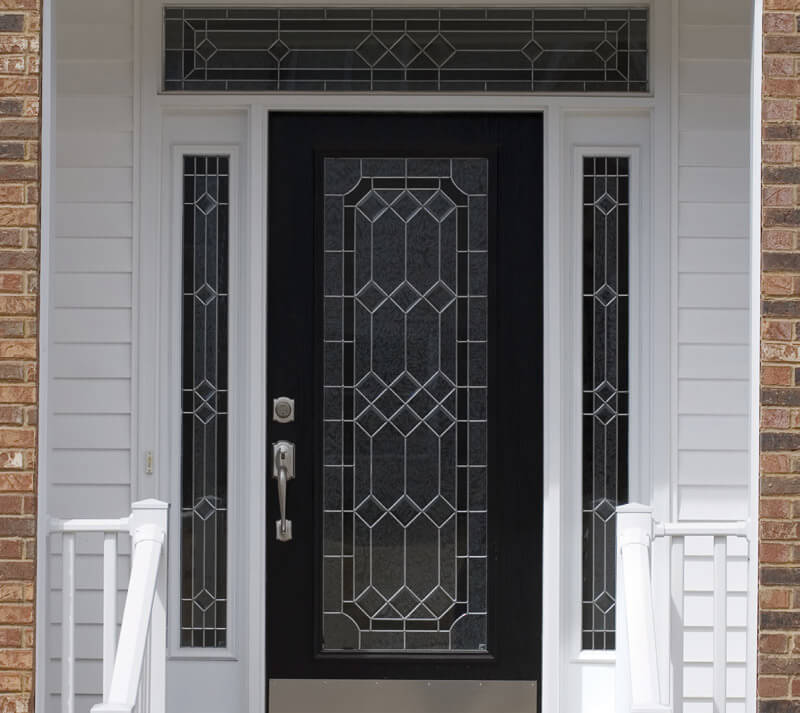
637 664
145 601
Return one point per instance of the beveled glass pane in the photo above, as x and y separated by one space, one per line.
405 558
406 49
605 387
204 463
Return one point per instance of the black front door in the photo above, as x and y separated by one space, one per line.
405 320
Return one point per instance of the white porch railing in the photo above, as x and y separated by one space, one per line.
143 618
638 688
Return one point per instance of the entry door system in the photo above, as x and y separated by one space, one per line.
405 353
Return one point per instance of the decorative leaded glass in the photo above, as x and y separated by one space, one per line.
405 397
204 464
215 49
606 198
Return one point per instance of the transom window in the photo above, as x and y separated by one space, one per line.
578 50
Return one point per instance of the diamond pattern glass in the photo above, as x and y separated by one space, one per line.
405 352
606 199
386 49
204 462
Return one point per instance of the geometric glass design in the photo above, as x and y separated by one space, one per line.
391 49
606 234
406 244
204 391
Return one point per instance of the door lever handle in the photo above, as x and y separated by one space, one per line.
283 472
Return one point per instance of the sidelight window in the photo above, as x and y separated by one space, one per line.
204 389
606 219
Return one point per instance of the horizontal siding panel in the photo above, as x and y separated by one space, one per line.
715 504
714 42
713 326
87 325
94 41
89 568
88 678
710 468
79 467
713 255
697 681
103 113
712 433
88 642
713 362
88 604
713 148
93 255
713 220
82 289
98 149
89 11
90 432
94 185
727 76
704 290
715 12
88 77
82 702
92 361
100 220
713 397
90 396
710 184
701 112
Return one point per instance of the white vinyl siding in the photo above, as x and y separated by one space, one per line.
713 327
91 310
713 262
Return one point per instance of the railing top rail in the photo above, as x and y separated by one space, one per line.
691 529
122 524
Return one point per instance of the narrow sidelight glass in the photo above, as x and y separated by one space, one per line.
204 437
606 234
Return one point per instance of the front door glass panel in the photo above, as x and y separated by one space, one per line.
405 364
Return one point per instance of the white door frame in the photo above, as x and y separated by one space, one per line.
564 668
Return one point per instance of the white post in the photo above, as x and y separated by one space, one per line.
148 532
109 608
638 670
68 623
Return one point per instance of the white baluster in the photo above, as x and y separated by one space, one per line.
109 608
720 622
68 623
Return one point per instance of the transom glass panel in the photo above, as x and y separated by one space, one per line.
391 49
406 290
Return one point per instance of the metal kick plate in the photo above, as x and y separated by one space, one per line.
363 696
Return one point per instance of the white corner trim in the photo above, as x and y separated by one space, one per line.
755 343
47 159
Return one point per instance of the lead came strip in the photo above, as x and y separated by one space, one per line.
606 199
579 50
405 379
204 461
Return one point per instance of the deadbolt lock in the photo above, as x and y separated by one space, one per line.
283 409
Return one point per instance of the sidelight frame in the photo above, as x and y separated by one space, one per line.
568 675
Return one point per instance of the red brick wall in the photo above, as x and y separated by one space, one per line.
779 546
20 38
